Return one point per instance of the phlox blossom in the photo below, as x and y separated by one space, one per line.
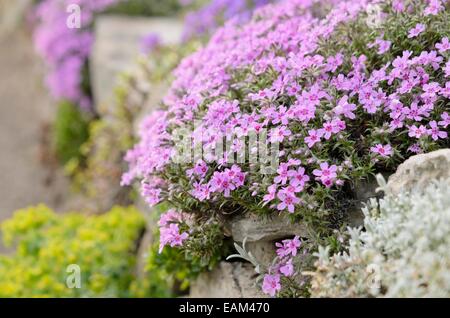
271 284
434 131
288 201
382 150
414 32
326 174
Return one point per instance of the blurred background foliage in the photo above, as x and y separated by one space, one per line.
146 7
46 243
70 132
91 147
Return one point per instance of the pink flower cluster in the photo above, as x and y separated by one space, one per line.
221 182
65 49
169 228
325 109
286 250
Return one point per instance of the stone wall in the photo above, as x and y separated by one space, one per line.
235 279
117 46
12 13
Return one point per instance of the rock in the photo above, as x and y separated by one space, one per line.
364 190
263 251
227 280
117 47
12 14
255 228
418 171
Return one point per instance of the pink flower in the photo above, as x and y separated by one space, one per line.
201 192
383 46
417 132
292 189
151 193
262 95
445 120
272 192
383 150
200 169
313 138
299 178
444 45
292 246
419 28
227 186
271 284
236 175
327 130
445 91
428 58
326 172
293 89
287 269
398 5
396 123
281 116
344 108
333 62
314 95
170 235
283 173
415 148
435 133
288 201
414 112
178 238
304 112
220 182
434 7
279 133
171 216
447 69
338 125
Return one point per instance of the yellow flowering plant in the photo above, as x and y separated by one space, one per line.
103 247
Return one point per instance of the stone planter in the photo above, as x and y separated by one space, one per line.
117 46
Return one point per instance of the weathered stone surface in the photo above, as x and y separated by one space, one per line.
227 280
255 228
418 171
263 251
117 46
11 14
364 190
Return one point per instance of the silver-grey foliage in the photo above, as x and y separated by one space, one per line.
404 250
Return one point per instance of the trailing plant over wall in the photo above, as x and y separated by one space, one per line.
346 89
184 249
403 251
102 246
